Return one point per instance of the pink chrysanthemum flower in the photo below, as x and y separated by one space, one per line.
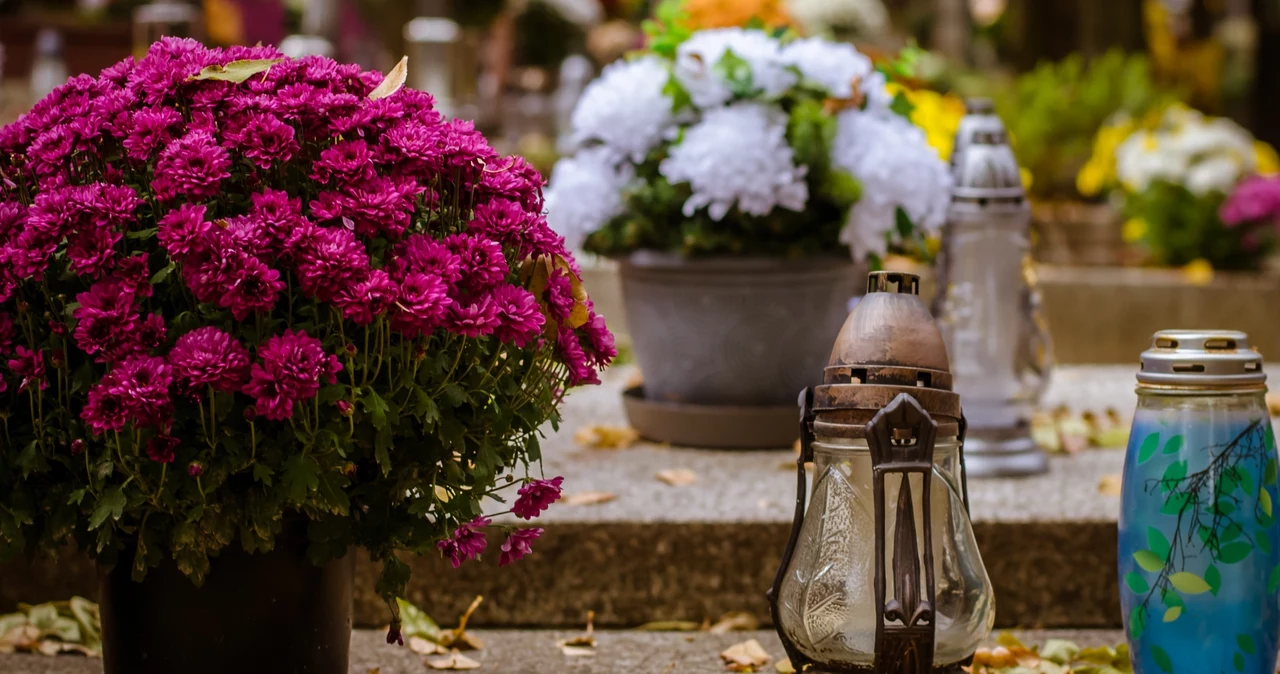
209 357
536 497
192 167
467 543
518 545
520 319
28 366
422 306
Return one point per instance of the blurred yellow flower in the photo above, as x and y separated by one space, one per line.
1027 178
1198 272
936 114
1265 158
1099 172
1133 230
731 13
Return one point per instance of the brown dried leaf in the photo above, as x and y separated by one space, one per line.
606 436
373 670
1109 485
423 647
457 637
393 81
783 666
735 621
635 379
577 651
744 657
677 477
586 639
455 661
590 498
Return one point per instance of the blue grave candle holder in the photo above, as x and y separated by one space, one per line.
1199 545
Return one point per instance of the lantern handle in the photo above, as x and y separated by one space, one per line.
798 660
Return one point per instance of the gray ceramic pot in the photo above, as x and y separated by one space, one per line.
731 331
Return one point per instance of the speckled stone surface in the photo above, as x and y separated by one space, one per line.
535 652
660 552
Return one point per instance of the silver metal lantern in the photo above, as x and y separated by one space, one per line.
987 304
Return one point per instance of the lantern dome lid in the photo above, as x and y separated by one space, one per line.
889 345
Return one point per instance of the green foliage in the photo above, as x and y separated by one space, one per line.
1054 112
1182 227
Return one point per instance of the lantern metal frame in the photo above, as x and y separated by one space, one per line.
901 437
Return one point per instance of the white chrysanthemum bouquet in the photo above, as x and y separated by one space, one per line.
742 142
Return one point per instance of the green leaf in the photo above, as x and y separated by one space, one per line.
1238 661
382 443
455 395
1159 544
1173 445
1269 473
1264 501
1148 560
1213 577
1246 644
1059 651
1175 503
1263 541
1161 658
1189 583
424 407
1233 553
235 71
1232 532
262 473
902 106
301 477
1171 599
1273 580
110 505
1136 582
1137 622
141 233
375 406
76 497
736 73
1172 614
1223 507
1175 472
163 274
1148 448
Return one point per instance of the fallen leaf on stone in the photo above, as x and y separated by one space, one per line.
577 651
783 666
744 657
606 436
1109 485
734 621
586 640
635 379
677 477
373 670
414 622
423 647
590 498
457 637
670 626
453 661
1074 434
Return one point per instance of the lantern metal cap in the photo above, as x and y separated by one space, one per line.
979 105
1201 359
889 345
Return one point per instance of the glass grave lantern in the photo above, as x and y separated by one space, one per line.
882 573
164 18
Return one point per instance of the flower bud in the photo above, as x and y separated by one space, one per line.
77 446
349 469
250 413
344 407
195 469
57 327
351 349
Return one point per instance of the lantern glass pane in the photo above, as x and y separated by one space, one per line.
827 599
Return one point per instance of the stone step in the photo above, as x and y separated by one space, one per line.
660 552
536 652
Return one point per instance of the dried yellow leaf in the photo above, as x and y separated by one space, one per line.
635 379
606 436
454 661
1109 485
577 651
590 498
394 80
735 621
457 637
423 647
745 657
677 477
670 626
783 666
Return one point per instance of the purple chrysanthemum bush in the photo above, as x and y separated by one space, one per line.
236 287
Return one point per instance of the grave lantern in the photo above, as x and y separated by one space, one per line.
164 18
882 573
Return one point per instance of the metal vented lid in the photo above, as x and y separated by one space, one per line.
1201 359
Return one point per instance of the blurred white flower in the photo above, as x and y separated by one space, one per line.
1200 153
863 17
834 65
738 155
625 108
585 192
897 169
698 60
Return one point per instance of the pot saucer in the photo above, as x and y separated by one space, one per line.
712 426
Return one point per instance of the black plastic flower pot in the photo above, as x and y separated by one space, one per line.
272 613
